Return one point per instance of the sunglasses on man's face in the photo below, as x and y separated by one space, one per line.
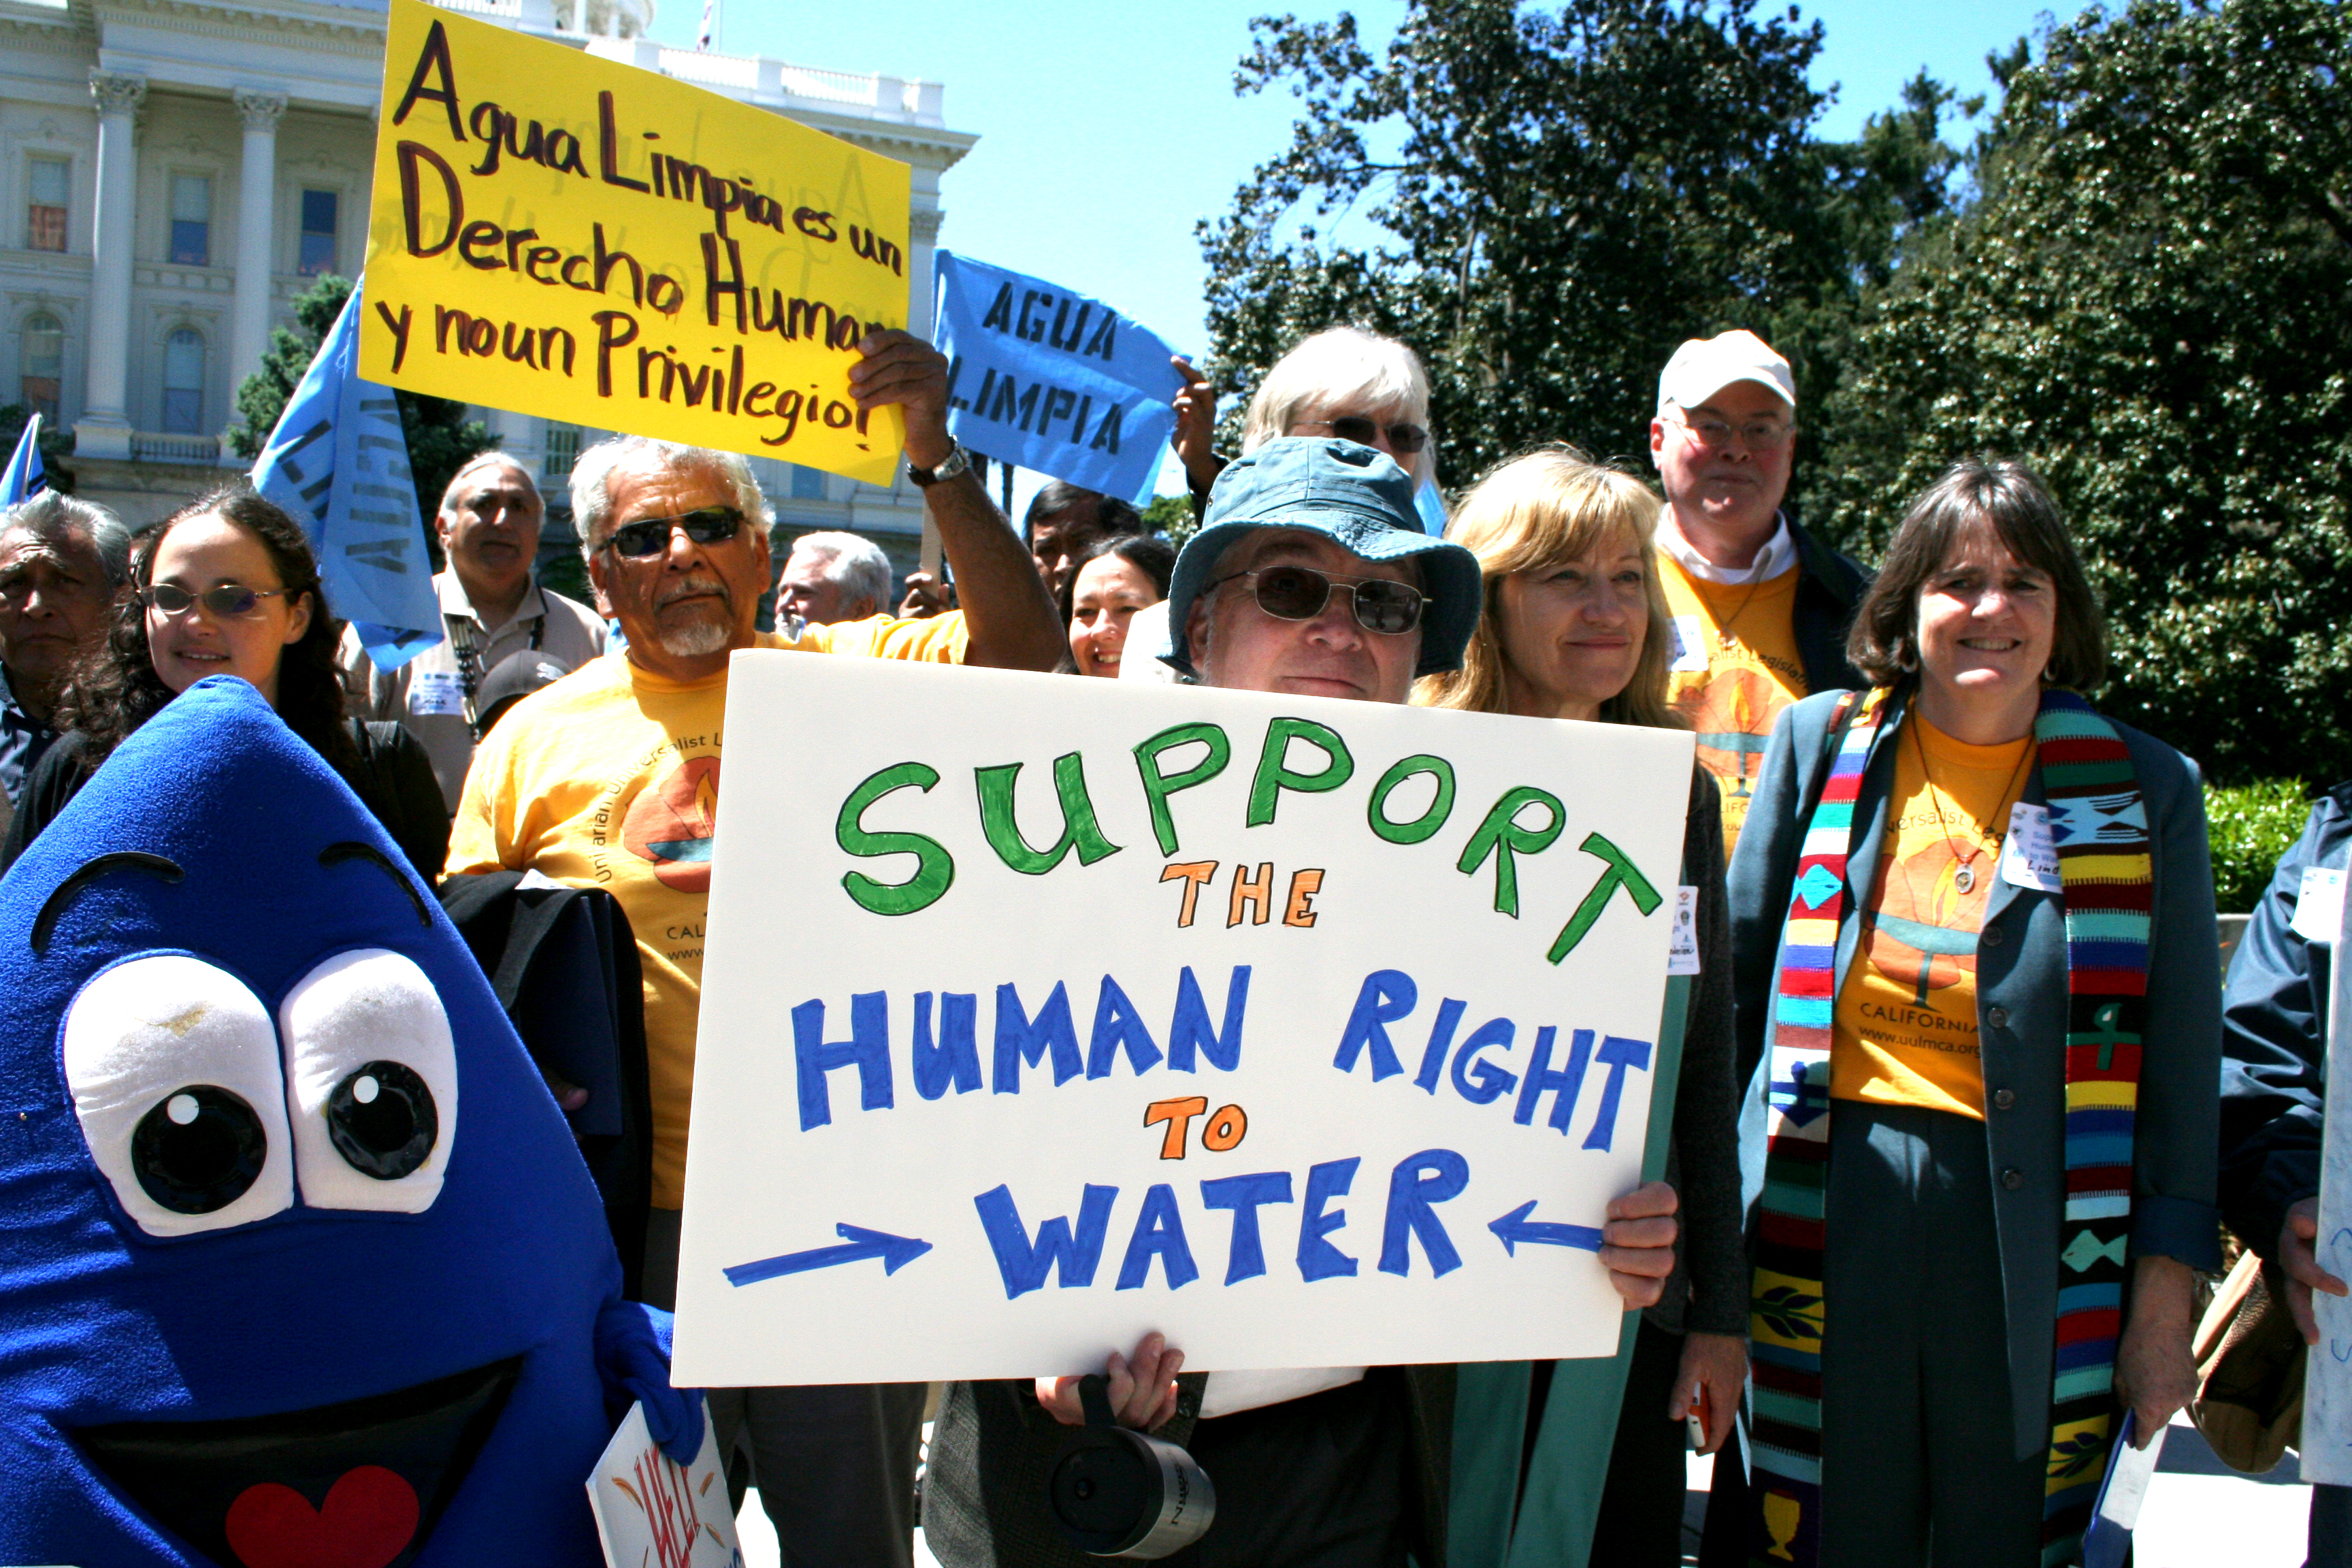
1299 593
650 535
229 602
1405 439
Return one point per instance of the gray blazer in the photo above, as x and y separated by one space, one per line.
2020 1021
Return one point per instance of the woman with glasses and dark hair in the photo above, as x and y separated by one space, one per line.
227 585
1973 938
1575 626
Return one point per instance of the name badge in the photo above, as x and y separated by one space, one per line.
2320 906
1688 647
2030 857
1682 955
436 691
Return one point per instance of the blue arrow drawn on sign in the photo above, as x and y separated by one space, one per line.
1516 1226
895 1251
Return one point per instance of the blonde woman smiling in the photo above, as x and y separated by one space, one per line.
1575 629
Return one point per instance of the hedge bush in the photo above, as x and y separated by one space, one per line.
2251 826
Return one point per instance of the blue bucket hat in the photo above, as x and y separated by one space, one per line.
1352 495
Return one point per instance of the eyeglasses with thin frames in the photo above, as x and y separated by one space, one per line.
229 602
650 535
1299 592
1755 435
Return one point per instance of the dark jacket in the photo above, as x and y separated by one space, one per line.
1708 1289
2274 1041
993 1449
1829 588
392 778
561 963
2021 982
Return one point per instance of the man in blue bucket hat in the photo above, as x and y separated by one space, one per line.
1311 577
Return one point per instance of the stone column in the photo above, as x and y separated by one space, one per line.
104 428
923 239
257 252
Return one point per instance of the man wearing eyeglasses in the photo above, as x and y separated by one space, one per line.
609 778
1760 609
490 610
1310 576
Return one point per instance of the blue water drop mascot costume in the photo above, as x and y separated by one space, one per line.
300 1265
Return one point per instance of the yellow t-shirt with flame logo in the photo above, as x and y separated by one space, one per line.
609 779
1731 689
1905 1031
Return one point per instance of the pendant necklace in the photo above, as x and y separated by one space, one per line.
1964 878
1723 633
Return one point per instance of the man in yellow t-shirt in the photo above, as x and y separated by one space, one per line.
1904 1029
1759 608
609 778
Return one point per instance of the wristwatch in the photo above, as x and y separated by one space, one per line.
957 461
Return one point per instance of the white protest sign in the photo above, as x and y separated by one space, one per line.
1039 1013
2326 1442
654 1513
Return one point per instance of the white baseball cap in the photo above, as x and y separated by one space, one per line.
1704 366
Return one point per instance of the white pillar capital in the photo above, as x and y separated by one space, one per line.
117 93
262 110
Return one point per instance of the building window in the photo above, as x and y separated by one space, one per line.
560 451
45 210
183 381
808 484
318 234
41 363
192 220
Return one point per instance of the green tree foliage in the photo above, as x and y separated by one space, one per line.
1573 192
1171 515
2251 828
440 436
2151 301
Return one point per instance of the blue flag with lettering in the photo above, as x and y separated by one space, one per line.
1052 381
338 463
24 478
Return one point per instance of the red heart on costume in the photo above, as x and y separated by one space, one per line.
369 1518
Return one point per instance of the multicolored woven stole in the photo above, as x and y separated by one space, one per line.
2099 827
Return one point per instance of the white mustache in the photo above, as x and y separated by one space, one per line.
689 588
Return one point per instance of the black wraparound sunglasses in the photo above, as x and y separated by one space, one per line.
1299 593
1406 438
650 535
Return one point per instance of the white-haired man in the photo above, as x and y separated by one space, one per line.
490 609
609 778
833 576
61 561
1760 607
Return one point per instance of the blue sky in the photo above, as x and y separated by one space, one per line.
1107 132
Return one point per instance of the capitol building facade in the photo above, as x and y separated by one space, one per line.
173 173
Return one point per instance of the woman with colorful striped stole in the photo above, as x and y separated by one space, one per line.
1975 970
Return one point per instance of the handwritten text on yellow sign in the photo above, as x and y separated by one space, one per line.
563 235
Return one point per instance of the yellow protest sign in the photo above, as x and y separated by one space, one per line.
563 236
